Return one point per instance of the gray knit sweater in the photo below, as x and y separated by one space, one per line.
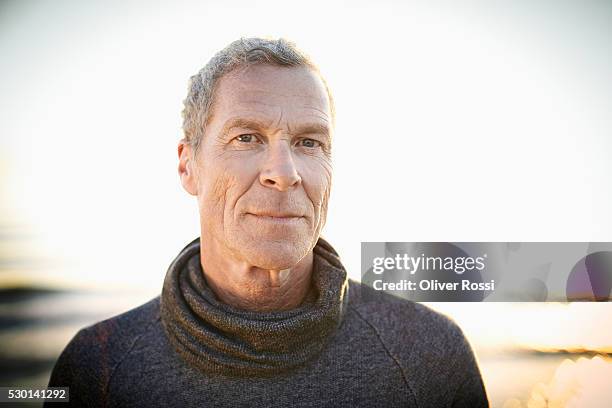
346 346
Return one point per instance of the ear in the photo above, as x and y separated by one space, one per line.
185 168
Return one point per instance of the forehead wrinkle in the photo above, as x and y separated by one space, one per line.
280 119
250 96
325 115
318 110
253 92
256 102
255 107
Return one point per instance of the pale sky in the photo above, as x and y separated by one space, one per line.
478 122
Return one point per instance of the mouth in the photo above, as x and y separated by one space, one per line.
277 217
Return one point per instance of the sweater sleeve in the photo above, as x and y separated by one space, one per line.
471 394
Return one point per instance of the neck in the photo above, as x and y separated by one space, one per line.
248 287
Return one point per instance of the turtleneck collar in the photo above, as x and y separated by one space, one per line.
221 339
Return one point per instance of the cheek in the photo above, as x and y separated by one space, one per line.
317 179
212 196
223 183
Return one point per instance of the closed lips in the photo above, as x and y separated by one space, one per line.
276 215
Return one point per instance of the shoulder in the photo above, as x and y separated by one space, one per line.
396 316
115 335
130 323
89 360
430 348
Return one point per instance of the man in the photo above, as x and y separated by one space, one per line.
259 311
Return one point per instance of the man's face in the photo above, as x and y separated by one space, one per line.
263 170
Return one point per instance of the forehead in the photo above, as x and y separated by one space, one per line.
272 92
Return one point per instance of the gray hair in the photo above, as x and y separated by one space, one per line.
240 53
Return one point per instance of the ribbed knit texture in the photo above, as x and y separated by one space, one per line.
221 339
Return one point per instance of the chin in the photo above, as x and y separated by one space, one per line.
275 254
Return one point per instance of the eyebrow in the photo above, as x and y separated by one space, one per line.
307 128
243 123
310 128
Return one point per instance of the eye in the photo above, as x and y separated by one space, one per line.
246 138
310 143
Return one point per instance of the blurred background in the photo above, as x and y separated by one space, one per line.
485 121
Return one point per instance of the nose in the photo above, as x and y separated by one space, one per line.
279 171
